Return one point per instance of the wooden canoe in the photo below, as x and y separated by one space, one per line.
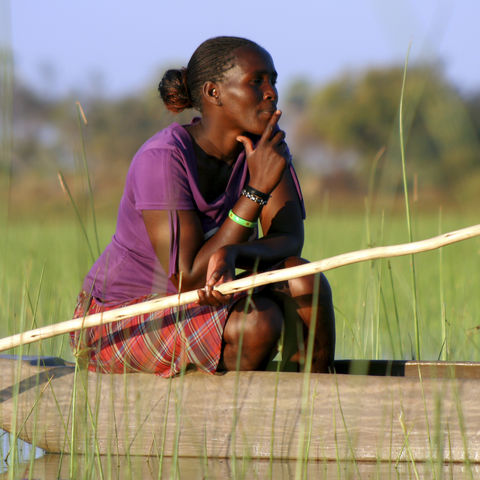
418 411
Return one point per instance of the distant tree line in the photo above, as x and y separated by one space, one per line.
360 114
48 131
355 117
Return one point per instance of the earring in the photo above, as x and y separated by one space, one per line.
214 95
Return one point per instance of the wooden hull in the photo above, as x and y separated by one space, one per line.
251 414
152 468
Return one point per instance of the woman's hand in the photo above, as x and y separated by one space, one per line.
221 269
267 161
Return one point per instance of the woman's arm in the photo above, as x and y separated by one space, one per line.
282 225
194 252
266 164
214 260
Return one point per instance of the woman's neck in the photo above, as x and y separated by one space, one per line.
214 141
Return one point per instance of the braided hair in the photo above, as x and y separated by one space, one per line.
182 88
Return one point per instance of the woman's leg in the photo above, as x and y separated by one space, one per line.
310 300
255 325
304 300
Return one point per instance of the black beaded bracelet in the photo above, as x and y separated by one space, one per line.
255 195
258 193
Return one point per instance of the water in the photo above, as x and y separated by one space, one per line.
24 451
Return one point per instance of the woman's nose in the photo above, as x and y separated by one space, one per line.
270 92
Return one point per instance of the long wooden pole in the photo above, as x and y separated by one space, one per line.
239 285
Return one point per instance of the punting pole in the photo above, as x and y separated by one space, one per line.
239 285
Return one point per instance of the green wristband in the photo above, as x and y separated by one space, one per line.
241 221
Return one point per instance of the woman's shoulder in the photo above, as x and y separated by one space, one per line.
169 152
175 136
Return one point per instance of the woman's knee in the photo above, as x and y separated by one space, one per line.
256 319
254 326
308 284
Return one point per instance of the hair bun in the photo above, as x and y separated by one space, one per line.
174 91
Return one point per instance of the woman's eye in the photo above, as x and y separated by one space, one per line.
260 80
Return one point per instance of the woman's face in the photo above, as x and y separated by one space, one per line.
248 96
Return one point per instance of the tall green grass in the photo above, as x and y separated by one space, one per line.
373 301
366 331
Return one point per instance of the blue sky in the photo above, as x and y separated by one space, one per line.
130 43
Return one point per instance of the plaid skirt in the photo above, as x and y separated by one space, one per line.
162 342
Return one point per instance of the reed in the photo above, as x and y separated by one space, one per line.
82 121
444 351
408 213
307 405
81 223
12 455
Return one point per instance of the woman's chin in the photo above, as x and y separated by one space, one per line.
259 127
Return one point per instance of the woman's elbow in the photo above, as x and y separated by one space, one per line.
295 244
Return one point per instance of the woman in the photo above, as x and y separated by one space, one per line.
188 219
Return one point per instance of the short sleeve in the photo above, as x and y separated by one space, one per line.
159 181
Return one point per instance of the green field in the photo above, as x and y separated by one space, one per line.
374 300
43 261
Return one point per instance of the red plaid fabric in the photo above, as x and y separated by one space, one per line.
161 342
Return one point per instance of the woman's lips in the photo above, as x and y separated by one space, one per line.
268 112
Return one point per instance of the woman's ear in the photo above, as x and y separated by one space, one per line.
211 93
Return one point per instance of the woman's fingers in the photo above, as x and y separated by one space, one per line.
219 297
202 297
272 123
212 297
205 297
278 138
266 135
221 268
223 274
213 279
247 144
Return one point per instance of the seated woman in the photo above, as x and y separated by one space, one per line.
188 218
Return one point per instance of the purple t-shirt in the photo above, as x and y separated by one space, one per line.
162 176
